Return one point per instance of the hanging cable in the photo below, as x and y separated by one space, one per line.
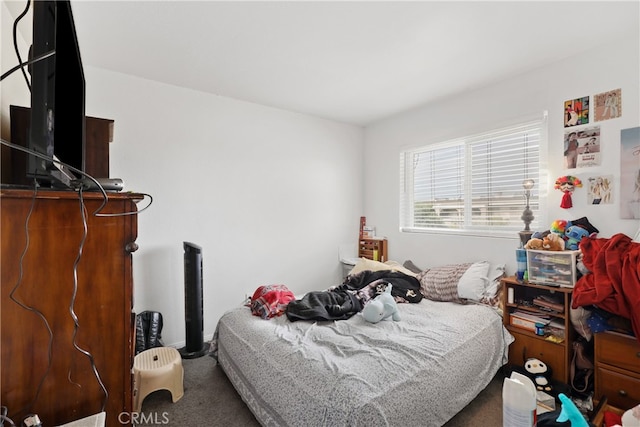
76 324
31 61
29 308
4 417
15 42
79 184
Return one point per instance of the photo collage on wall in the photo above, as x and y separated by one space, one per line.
582 149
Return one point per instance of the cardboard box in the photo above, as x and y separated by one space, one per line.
526 321
552 268
522 323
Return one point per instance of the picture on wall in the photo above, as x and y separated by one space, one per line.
576 112
607 105
600 190
588 151
630 173
582 148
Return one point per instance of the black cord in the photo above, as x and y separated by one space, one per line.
4 417
76 324
80 190
54 161
29 308
32 61
80 185
15 42
132 212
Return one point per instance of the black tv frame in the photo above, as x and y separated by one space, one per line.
57 127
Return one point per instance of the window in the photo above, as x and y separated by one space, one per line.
472 184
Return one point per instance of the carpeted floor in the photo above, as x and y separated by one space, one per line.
210 400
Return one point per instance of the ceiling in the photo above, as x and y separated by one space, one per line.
355 62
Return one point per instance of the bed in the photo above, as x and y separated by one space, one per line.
419 371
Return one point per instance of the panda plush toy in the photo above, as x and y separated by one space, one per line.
540 374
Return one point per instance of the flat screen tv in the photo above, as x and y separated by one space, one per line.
57 127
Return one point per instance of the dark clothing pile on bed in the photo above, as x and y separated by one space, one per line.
405 288
344 301
324 305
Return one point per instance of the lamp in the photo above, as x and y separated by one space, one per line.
527 214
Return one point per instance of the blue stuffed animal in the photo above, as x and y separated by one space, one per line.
570 413
381 307
573 234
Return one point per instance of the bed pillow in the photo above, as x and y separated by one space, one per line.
441 283
495 274
371 265
474 281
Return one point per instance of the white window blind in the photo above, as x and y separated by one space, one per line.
473 183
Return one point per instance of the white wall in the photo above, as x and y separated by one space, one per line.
268 194
598 70
13 90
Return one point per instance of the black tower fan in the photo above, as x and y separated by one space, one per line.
193 306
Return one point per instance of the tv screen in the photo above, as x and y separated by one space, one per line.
57 94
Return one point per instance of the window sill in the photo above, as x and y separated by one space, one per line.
507 235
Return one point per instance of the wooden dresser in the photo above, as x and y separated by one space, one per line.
38 284
617 365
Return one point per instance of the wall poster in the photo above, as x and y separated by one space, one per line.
582 148
576 112
607 105
630 173
600 190
588 147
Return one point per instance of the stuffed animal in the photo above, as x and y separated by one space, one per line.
573 235
534 243
570 412
539 373
540 234
553 242
559 226
381 307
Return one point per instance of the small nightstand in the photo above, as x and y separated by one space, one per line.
527 344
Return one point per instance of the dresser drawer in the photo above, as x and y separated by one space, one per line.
618 350
621 390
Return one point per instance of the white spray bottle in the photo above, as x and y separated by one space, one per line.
518 401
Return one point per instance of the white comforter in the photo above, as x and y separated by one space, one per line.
419 371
